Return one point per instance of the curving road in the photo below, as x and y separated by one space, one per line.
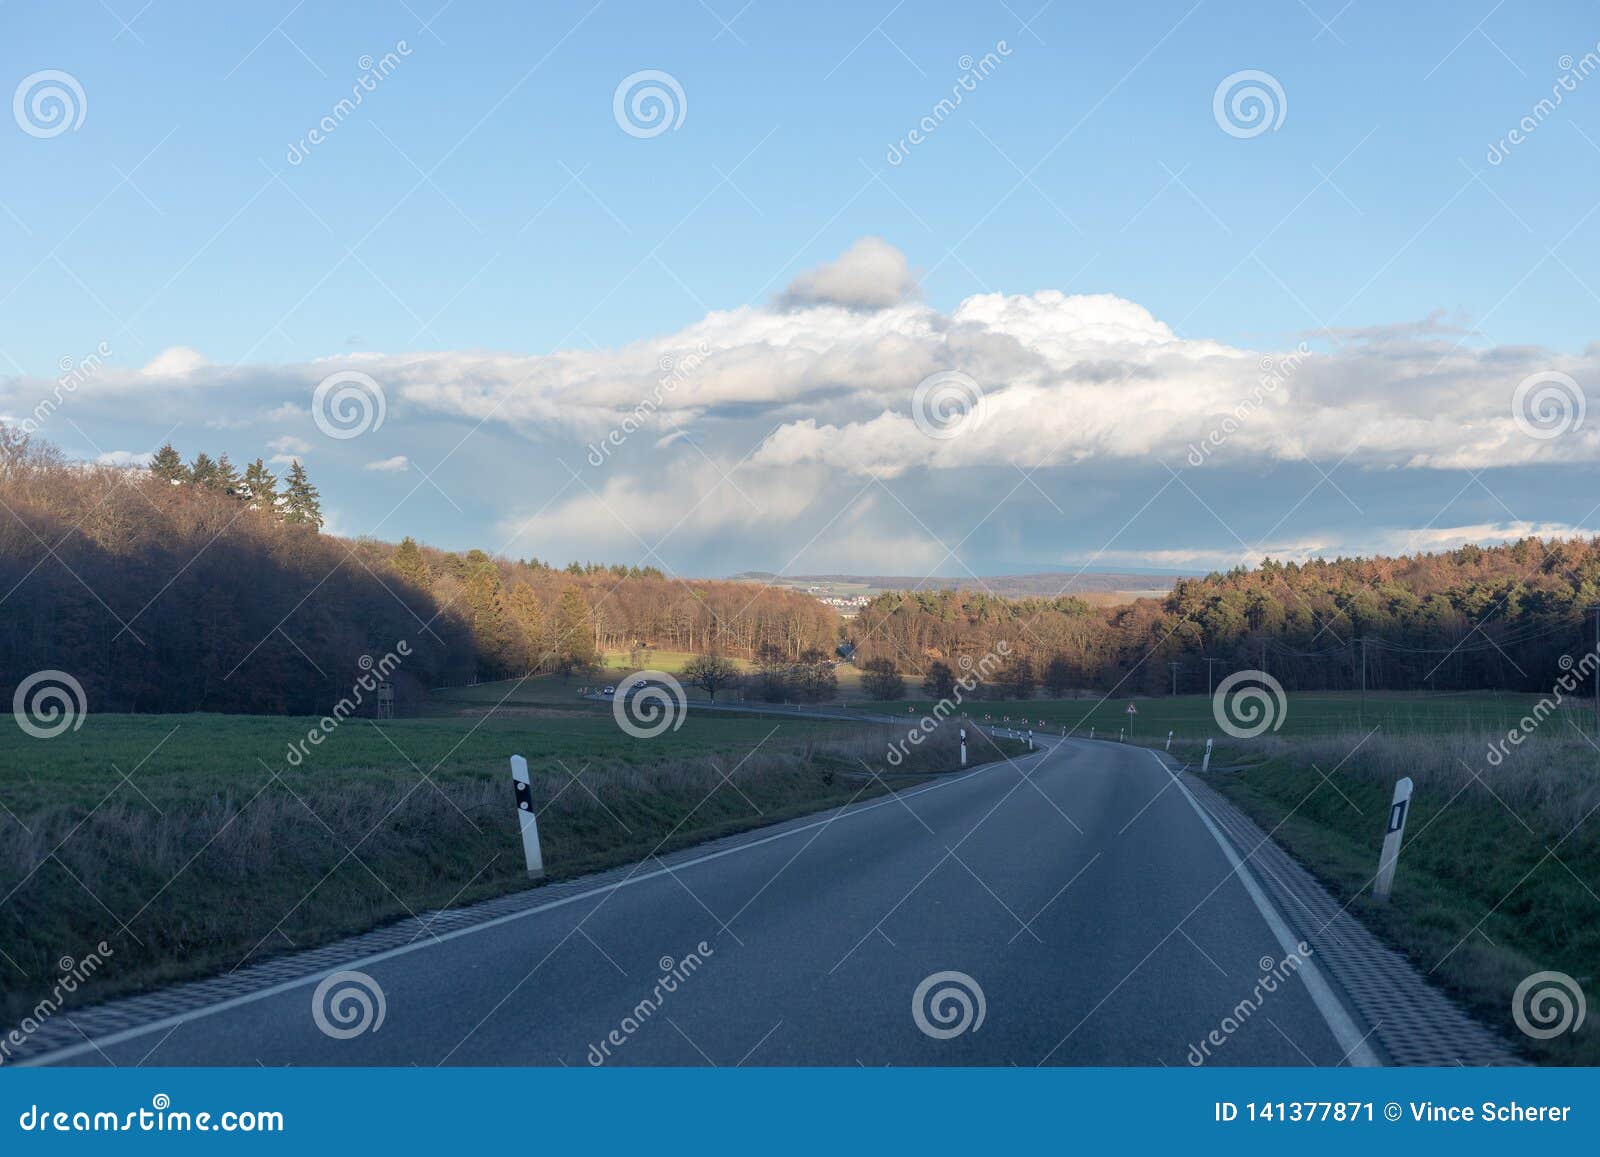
1080 889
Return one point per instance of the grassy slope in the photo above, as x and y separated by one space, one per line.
1478 903
216 852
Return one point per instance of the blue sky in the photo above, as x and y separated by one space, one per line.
484 209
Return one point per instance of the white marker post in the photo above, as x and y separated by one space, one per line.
1169 741
1091 733
1030 739
527 817
1205 764
1390 856
963 747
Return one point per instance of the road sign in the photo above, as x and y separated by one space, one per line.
527 818
1390 856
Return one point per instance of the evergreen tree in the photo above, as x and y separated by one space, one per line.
168 467
528 618
226 478
574 641
203 471
410 563
491 620
302 505
260 486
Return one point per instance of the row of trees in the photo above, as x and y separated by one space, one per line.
299 503
163 597
527 616
1474 618
775 678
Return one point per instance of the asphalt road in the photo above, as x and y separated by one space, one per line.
1080 889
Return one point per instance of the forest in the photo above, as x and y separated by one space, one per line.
192 586
1467 619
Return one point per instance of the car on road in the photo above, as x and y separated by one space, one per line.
609 691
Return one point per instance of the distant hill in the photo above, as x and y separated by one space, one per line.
1010 586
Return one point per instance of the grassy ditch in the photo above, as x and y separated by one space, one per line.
1500 870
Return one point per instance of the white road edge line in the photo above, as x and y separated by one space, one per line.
127 1034
1342 1024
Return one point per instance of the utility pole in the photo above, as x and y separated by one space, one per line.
1361 713
1175 665
1596 609
1210 667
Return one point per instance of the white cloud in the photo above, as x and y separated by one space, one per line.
289 444
174 362
1355 542
390 465
125 458
283 460
871 274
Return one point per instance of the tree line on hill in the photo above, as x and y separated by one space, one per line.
193 586
1473 618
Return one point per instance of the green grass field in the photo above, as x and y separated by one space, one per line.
1306 714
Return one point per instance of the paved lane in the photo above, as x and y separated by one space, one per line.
1078 888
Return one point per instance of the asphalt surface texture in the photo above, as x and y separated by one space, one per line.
1071 907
